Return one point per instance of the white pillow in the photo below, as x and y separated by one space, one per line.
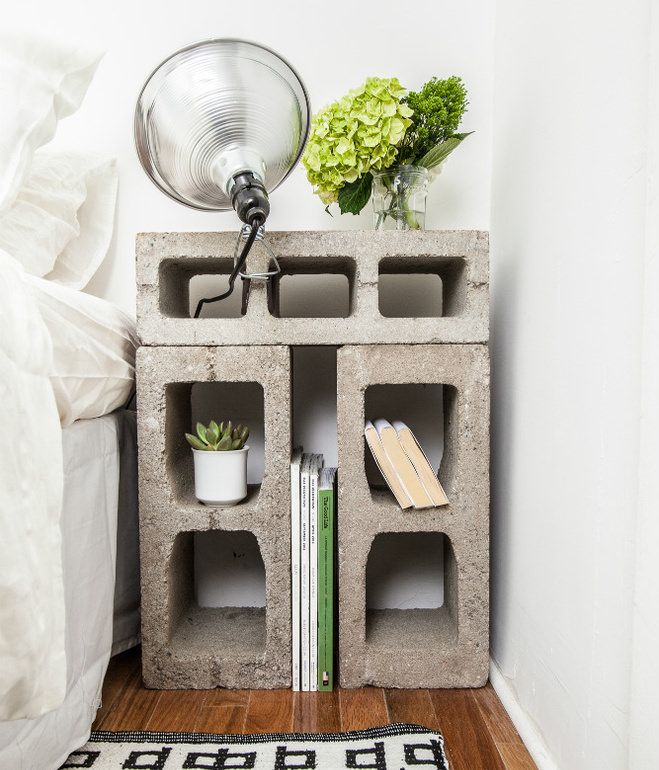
94 343
61 223
41 81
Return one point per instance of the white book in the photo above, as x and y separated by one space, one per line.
296 459
314 473
304 572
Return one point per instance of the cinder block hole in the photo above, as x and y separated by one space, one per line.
405 570
410 295
216 583
229 570
314 288
190 402
183 282
411 591
422 287
314 400
209 286
429 410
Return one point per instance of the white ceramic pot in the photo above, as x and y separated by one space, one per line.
220 478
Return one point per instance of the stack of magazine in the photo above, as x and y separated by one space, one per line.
313 574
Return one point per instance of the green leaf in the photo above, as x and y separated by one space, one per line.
353 196
225 443
194 442
201 431
441 151
212 432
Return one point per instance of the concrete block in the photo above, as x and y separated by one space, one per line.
189 646
448 646
185 645
362 260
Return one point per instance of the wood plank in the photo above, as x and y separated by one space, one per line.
495 716
317 712
120 669
468 743
362 708
511 747
411 706
134 708
223 711
269 711
221 720
176 711
223 697
516 756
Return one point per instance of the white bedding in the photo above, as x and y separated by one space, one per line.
64 355
93 343
99 516
32 660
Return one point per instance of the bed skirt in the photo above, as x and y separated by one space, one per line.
99 543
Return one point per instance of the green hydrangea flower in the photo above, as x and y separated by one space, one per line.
359 132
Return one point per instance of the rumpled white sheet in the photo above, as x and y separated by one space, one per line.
32 652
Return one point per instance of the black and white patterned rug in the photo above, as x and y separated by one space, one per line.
393 747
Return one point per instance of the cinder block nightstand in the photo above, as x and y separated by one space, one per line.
187 646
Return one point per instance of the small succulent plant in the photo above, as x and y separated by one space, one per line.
218 438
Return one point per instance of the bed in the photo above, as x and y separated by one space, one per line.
69 565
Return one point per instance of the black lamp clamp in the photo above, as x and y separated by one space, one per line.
248 234
247 278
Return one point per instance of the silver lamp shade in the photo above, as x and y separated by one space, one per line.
220 124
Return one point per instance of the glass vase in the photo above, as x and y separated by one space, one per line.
399 198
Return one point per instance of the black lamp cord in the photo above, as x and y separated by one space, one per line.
254 223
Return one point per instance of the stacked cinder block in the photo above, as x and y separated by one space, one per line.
186 646
166 262
448 646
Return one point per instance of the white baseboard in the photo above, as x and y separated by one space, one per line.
526 727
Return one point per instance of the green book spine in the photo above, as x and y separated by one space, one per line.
326 594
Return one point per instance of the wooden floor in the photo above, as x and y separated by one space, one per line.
478 733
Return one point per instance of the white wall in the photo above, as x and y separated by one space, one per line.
333 46
558 101
569 240
645 662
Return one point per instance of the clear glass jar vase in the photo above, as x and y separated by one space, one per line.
399 198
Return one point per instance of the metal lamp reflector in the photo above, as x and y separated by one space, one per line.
220 124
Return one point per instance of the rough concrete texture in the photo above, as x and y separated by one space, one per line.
166 263
184 645
187 646
446 647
